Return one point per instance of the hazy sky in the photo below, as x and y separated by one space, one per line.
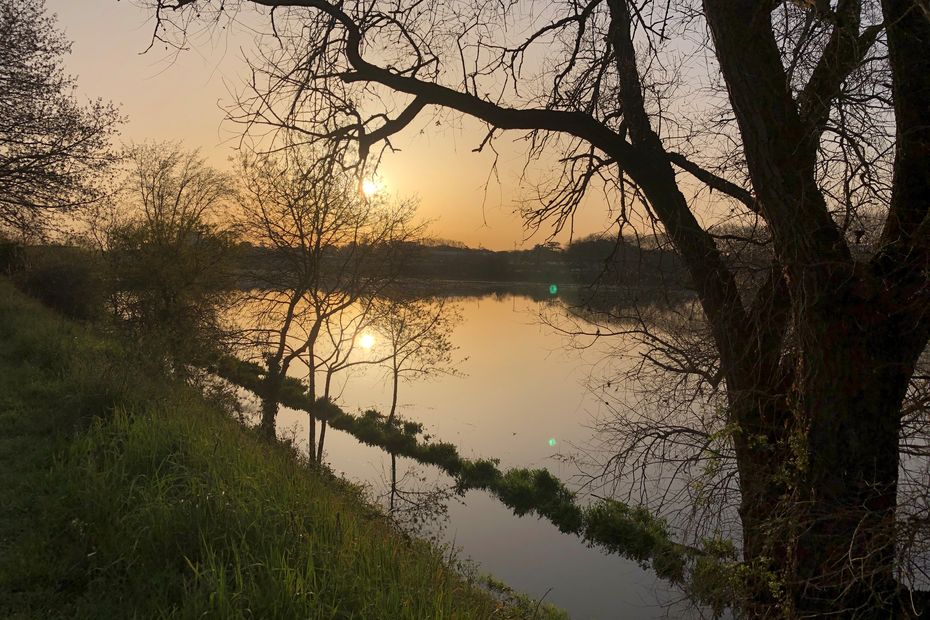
179 98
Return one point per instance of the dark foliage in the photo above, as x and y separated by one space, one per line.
66 279
51 147
12 257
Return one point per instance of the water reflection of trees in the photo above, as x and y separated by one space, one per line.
662 438
416 500
597 298
333 251
410 340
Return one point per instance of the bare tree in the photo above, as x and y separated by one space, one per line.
328 249
169 256
52 149
814 111
417 338
339 353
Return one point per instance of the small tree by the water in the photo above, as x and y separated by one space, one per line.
328 248
169 252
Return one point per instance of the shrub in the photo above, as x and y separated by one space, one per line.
67 280
11 257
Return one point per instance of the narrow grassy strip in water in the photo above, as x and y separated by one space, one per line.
630 531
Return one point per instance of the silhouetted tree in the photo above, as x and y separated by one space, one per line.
169 256
814 112
331 247
52 148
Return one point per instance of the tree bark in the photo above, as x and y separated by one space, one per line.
270 396
819 468
850 389
395 377
319 449
269 413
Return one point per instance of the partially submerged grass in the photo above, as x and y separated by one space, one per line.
123 494
626 530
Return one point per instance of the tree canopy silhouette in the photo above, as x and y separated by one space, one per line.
51 146
331 249
809 119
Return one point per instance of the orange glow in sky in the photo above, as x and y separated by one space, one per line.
169 96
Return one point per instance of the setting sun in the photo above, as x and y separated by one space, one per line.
366 341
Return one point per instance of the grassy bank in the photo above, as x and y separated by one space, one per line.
123 494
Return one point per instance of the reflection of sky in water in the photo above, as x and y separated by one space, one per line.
521 400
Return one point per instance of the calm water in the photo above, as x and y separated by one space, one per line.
520 387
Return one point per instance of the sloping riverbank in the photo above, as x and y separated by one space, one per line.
124 494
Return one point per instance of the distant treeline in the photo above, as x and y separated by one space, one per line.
588 261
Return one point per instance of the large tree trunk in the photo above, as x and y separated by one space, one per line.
764 487
818 454
852 378
819 470
269 413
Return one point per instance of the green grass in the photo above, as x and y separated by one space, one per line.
125 495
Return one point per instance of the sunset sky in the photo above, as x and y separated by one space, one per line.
178 97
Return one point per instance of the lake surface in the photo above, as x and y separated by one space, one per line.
521 386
